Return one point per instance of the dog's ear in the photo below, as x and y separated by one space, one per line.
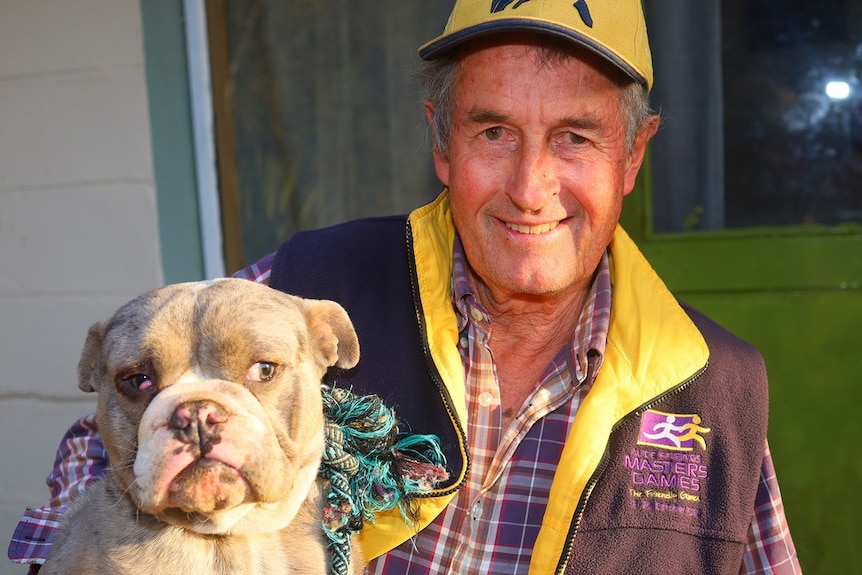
335 340
91 363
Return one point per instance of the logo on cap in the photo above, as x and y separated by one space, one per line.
500 5
580 5
677 432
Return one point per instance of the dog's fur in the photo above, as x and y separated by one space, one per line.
210 410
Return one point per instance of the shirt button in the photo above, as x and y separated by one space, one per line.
463 342
476 512
485 399
477 315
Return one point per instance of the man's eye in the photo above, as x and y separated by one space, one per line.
494 133
576 138
262 371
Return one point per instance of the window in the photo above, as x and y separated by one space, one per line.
763 113
318 120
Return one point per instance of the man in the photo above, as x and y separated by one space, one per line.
591 423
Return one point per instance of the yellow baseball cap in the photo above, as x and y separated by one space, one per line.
613 29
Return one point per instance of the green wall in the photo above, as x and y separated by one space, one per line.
812 344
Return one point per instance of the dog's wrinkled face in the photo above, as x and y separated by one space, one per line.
209 400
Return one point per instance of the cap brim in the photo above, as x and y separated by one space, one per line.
442 45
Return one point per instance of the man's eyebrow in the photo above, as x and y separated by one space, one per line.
484 116
581 122
585 122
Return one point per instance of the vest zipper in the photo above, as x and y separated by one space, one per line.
603 463
432 368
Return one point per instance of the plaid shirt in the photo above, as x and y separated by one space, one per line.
493 522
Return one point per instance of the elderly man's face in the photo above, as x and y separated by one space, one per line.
537 168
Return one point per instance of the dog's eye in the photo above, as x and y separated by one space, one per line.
140 381
262 371
135 379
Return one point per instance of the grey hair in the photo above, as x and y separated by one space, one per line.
636 109
438 80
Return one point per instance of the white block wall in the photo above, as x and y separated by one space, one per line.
78 228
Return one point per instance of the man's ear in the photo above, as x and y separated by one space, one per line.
645 132
429 117
441 161
91 366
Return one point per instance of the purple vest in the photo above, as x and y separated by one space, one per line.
675 490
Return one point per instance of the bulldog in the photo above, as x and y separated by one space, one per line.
210 409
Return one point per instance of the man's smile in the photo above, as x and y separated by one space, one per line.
537 229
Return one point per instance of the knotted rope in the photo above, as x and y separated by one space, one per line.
369 467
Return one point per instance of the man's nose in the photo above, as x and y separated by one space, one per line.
536 181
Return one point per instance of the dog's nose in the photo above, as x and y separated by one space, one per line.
197 423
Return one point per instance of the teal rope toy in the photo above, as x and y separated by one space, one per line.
370 466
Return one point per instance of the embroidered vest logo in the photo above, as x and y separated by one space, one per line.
672 431
668 474
580 6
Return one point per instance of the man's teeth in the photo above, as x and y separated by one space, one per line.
540 229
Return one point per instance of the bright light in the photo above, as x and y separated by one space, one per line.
838 90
